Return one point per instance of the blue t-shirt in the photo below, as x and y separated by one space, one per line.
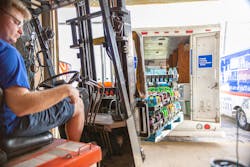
12 73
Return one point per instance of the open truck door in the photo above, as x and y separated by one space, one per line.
205 99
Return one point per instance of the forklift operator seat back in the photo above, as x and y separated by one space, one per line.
14 146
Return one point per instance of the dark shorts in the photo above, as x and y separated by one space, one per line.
44 121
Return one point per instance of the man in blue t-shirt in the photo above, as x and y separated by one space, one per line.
26 112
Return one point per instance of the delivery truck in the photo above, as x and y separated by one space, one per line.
194 51
235 73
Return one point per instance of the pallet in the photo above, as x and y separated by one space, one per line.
166 128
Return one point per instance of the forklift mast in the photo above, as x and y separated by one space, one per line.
118 37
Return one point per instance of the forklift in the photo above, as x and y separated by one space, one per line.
110 132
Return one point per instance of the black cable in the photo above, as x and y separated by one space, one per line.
237 137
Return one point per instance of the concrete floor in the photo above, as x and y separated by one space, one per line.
193 154
199 152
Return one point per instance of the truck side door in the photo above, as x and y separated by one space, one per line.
205 77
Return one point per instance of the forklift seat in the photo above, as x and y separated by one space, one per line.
14 146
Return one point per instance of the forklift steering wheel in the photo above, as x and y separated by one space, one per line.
45 84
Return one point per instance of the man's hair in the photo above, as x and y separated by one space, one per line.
17 4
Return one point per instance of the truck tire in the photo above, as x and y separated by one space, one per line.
242 120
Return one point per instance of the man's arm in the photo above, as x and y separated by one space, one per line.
22 101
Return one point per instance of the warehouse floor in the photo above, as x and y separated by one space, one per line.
192 151
199 151
193 154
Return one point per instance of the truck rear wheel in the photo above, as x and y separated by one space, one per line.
242 120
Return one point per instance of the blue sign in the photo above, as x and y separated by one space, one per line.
235 72
205 61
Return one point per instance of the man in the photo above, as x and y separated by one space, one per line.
26 112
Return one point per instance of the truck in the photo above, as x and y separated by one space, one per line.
194 51
218 70
235 73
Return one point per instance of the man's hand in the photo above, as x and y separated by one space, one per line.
73 94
